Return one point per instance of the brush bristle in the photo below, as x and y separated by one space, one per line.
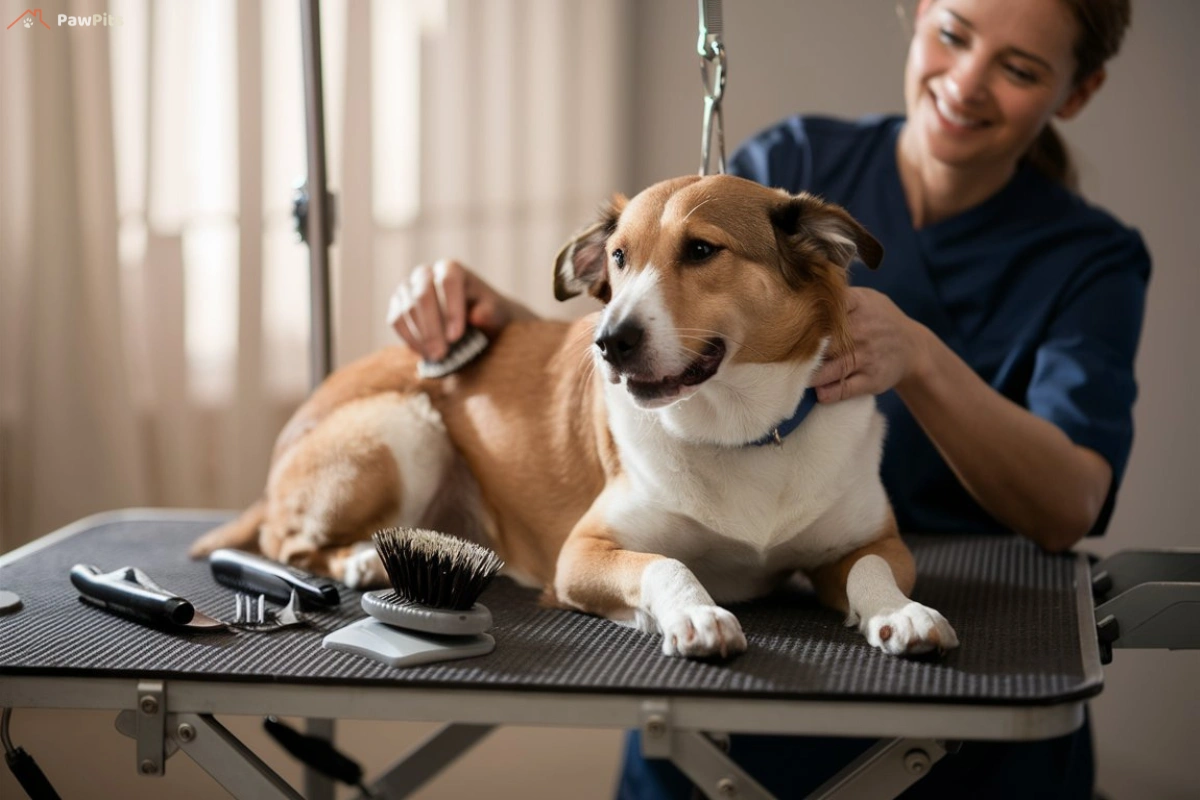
468 347
435 569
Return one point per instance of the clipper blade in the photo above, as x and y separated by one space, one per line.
468 347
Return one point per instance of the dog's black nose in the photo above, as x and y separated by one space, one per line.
618 344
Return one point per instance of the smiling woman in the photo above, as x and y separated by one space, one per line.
983 84
999 336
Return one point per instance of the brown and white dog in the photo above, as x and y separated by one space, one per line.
638 463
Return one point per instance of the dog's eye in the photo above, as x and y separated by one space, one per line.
697 250
618 258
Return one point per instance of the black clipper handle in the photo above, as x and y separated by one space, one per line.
250 573
117 593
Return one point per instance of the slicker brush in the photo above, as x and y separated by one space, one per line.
430 613
468 347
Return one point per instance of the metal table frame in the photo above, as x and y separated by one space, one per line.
165 716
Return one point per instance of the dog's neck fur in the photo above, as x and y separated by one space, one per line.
742 404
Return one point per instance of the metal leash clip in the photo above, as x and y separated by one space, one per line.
712 73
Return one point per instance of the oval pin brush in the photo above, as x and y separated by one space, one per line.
436 579
468 347
430 613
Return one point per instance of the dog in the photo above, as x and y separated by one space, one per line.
646 463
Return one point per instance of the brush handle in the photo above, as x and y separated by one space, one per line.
116 592
383 606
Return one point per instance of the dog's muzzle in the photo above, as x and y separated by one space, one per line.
627 350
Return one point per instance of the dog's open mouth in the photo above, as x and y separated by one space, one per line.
668 388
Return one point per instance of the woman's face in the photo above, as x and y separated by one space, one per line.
984 76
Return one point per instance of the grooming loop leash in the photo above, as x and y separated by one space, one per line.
712 73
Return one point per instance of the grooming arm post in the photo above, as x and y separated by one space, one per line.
313 207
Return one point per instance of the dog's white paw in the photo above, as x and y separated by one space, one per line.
701 630
362 569
910 630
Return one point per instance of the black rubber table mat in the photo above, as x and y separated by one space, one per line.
1014 609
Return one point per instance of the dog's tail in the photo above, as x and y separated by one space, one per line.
241 533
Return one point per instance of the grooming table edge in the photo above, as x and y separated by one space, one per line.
684 714
802 717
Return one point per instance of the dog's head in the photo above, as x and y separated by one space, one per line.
716 288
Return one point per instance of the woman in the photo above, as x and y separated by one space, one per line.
999 335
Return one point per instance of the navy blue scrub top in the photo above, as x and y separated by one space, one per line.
1039 292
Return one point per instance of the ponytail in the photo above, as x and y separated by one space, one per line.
1102 26
1049 155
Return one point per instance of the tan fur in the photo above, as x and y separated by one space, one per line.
241 533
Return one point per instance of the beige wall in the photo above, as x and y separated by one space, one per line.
1136 146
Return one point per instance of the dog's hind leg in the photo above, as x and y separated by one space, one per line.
871 585
240 533
373 463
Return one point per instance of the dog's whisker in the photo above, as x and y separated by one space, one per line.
702 202
587 369
741 344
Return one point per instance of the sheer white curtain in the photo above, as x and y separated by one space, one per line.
153 298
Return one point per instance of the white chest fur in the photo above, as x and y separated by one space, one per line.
743 517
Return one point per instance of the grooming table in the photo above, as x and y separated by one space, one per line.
1028 661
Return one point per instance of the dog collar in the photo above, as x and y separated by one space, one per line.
808 402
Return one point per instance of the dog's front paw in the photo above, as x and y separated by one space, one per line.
910 630
700 631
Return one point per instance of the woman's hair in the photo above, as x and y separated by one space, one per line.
1102 26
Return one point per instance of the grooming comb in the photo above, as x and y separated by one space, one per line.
430 614
468 347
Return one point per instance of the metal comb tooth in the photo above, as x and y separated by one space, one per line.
245 611
250 613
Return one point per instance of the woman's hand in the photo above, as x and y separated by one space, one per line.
1022 469
888 350
430 311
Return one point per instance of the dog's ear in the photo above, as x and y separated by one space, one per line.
581 264
804 223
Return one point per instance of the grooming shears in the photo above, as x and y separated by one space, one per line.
133 593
